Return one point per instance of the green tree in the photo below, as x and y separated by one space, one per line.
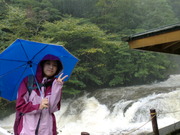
104 60
76 8
3 9
122 16
156 13
13 26
88 43
132 67
175 4
39 9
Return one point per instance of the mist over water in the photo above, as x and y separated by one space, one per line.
118 111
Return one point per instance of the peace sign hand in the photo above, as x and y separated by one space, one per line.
60 80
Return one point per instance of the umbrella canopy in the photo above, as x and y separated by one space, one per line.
21 59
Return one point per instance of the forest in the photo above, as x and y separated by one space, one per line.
92 30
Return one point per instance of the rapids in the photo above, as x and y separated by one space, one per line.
118 111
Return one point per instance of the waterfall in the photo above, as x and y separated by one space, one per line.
118 111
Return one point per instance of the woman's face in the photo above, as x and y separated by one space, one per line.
50 68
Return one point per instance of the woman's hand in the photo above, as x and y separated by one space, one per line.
60 80
44 103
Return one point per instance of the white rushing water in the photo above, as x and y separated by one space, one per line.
118 111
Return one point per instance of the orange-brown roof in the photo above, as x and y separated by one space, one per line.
165 39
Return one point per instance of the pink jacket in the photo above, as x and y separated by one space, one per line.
29 106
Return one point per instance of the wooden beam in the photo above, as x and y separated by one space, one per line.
176 46
169 45
156 39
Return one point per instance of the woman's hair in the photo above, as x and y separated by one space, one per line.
59 66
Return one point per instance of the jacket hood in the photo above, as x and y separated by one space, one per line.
39 71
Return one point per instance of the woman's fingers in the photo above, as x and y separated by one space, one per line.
61 79
64 77
44 103
45 106
60 75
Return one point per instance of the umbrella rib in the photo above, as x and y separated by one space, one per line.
39 52
12 70
24 50
13 60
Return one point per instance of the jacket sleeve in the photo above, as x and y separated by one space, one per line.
22 103
55 98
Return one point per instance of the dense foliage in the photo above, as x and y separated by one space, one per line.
92 31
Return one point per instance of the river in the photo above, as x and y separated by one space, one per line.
118 111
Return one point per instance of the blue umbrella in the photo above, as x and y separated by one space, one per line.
21 58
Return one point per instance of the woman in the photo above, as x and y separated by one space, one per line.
37 108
